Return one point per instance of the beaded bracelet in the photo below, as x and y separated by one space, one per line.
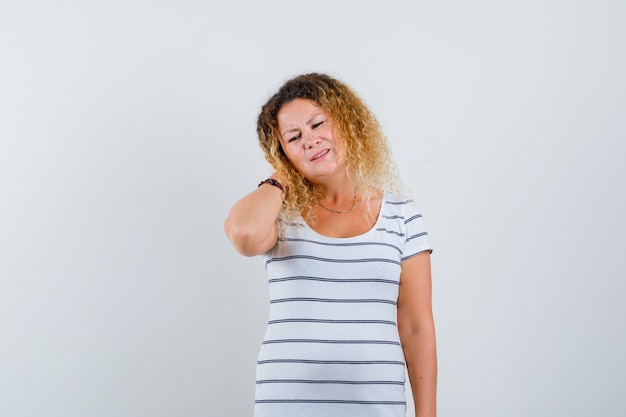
275 183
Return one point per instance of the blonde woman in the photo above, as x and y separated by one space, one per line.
348 262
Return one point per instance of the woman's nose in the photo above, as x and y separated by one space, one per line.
311 140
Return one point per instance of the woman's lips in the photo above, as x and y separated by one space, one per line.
320 154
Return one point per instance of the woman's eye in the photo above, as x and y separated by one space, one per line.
294 138
318 124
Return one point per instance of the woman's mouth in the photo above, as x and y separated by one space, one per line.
320 154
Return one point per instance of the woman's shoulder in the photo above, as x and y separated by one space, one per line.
394 198
400 206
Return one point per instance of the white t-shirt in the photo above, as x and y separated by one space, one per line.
332 348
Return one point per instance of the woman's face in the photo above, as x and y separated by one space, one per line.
306 135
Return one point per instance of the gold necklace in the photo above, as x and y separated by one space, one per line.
341 211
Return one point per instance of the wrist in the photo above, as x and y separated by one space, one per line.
275 183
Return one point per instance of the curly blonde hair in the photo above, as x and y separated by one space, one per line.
367 154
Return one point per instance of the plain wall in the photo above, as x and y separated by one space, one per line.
127 130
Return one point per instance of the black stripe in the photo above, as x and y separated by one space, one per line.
392 232
304 401
320 362
315 242
394 217
331 300
338 280
346 342
329 381
346 261
410 219
391 323
416 236
398 203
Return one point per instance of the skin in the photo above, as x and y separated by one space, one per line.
310 143
308 139
417 332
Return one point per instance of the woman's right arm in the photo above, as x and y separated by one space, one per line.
251 224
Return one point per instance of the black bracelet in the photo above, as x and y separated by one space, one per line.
275 183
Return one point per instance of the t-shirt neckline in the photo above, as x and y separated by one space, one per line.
355 237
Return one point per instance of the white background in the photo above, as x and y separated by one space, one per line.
127 130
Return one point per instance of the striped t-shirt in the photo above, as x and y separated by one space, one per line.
331 348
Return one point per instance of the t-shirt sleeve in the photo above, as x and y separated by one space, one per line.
415 234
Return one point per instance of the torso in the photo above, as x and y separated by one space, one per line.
332 346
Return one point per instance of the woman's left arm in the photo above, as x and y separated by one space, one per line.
417 332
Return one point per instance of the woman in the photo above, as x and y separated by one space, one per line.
348 262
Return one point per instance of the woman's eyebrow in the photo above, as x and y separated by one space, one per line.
288 131
308 122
